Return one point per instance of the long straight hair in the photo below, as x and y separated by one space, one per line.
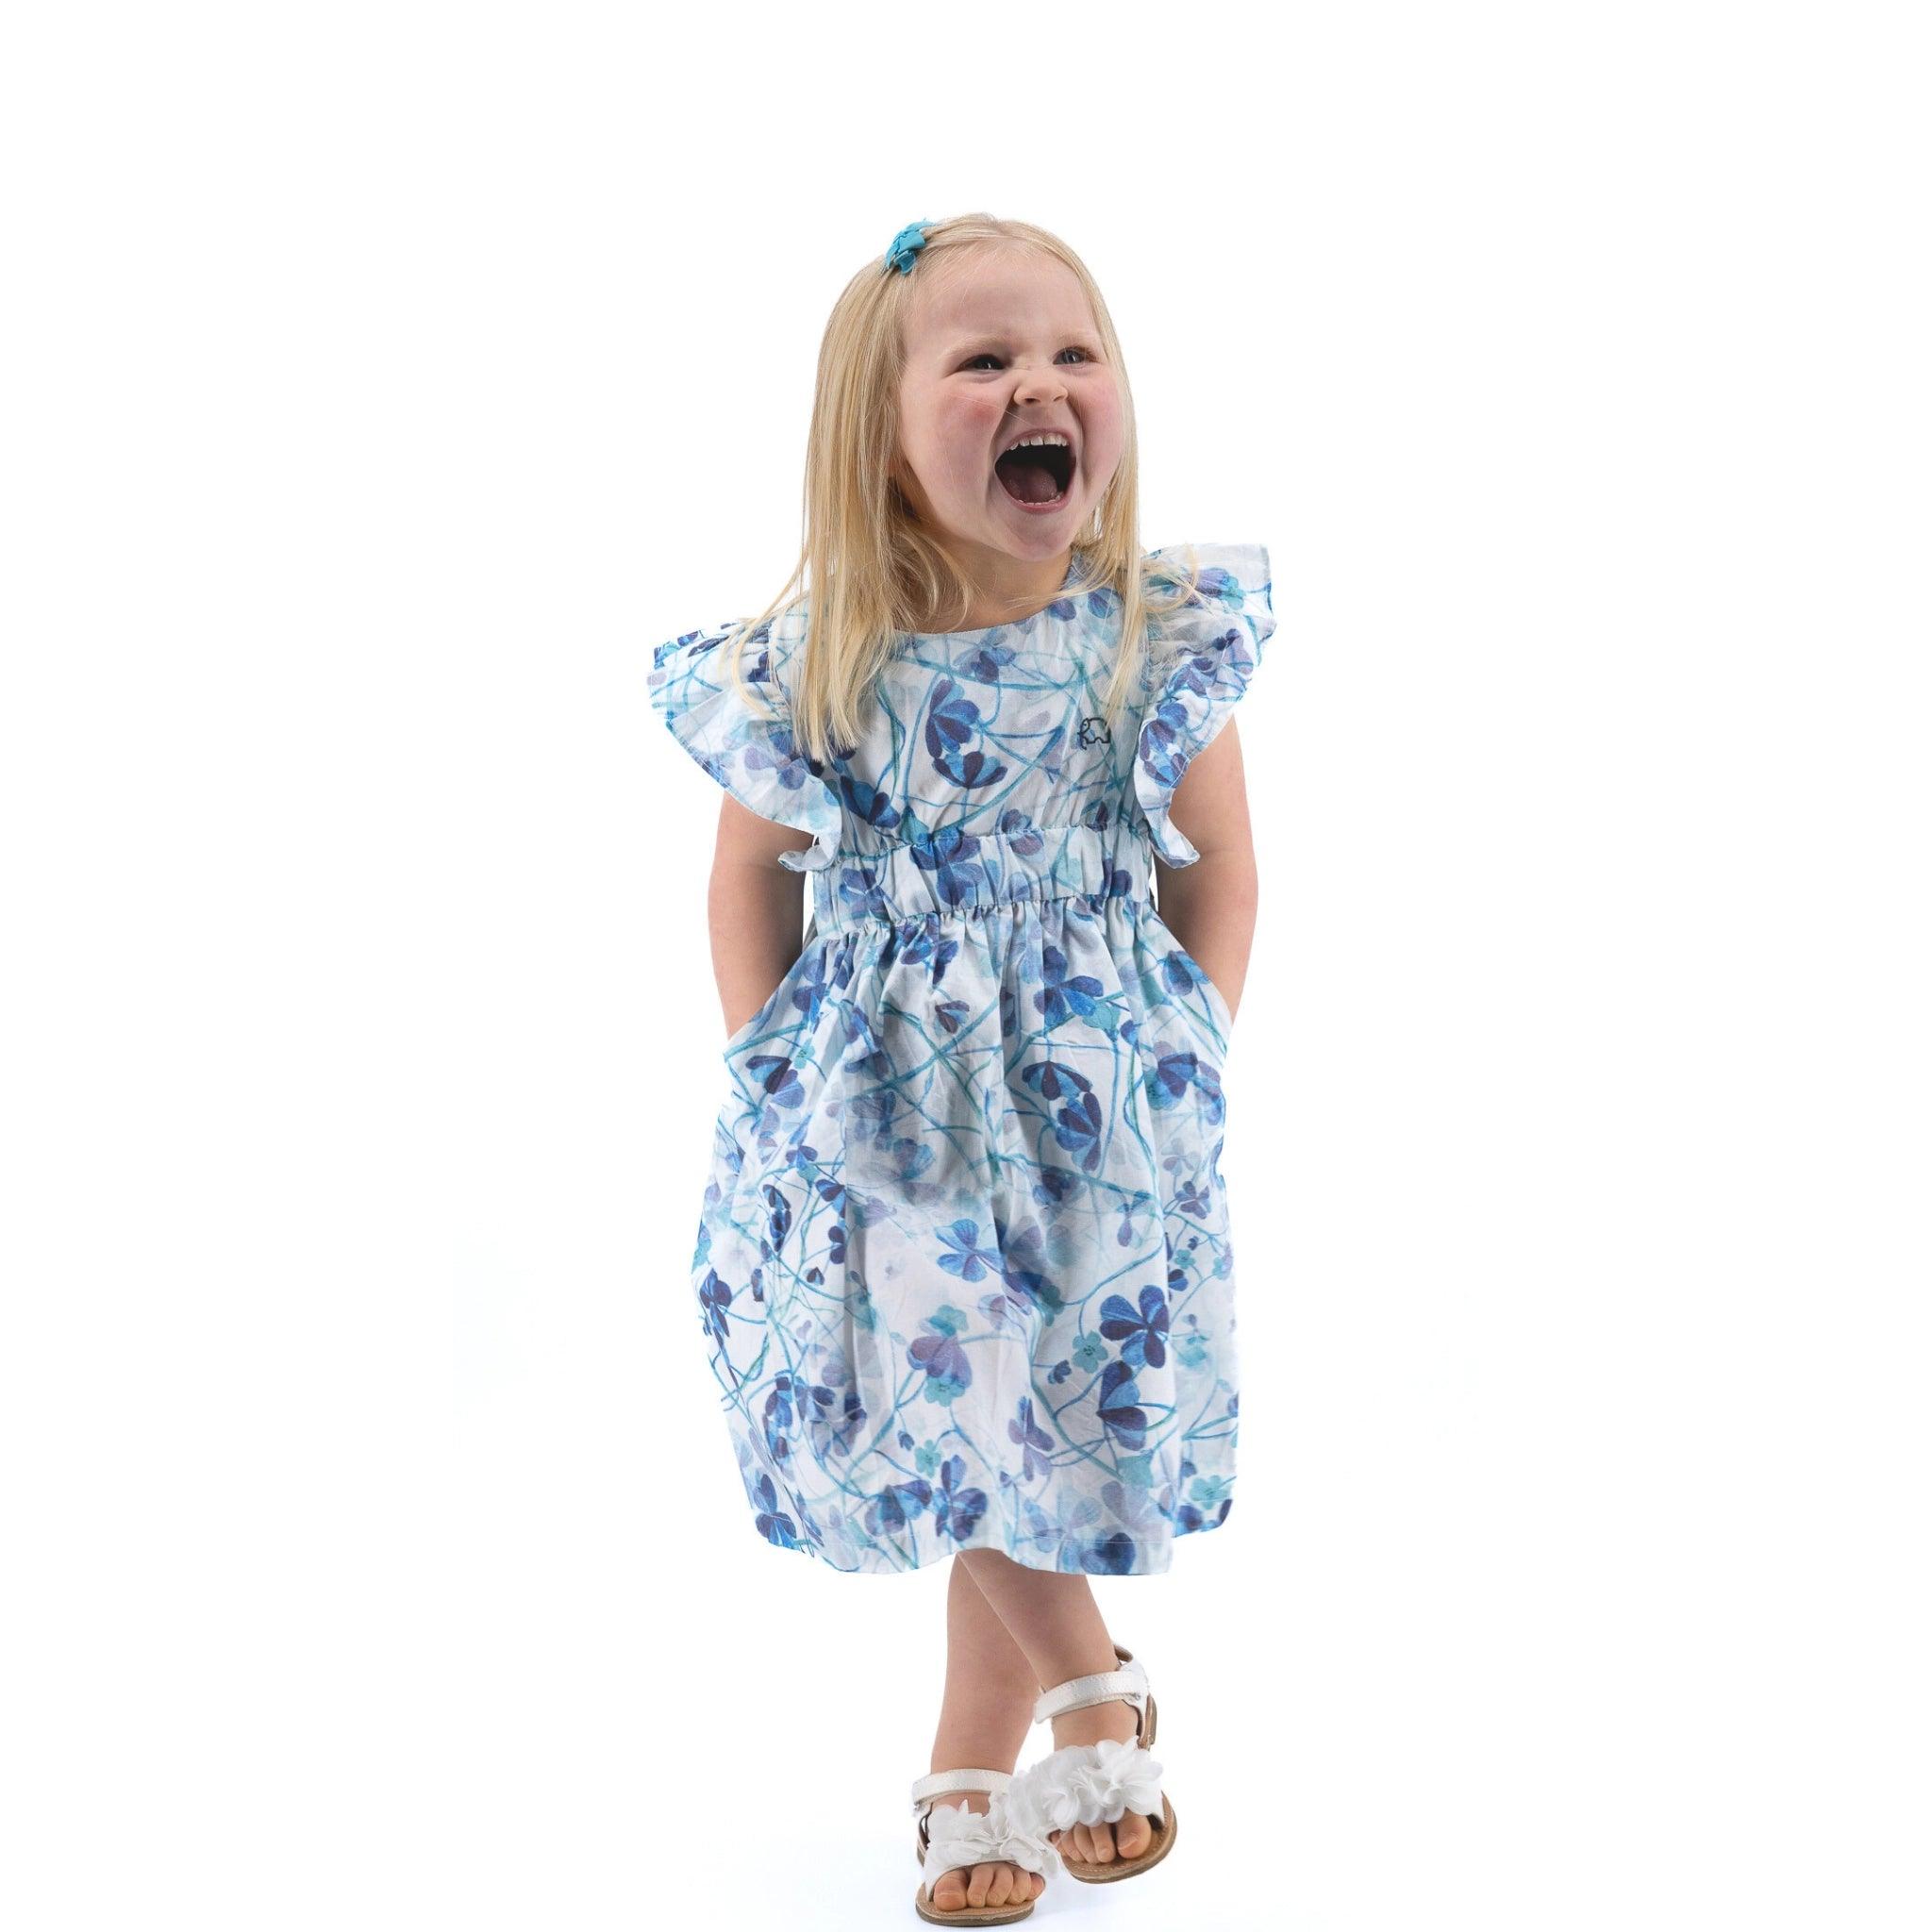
867 570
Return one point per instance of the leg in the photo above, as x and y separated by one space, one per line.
988 1710
1053 1619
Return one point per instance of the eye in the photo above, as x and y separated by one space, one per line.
993 355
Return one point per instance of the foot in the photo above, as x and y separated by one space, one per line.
1131 1833
981 1885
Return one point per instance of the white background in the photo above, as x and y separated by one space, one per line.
383 383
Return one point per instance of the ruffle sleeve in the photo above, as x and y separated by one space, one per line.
1200 662
751 754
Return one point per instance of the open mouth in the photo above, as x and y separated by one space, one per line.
1037 476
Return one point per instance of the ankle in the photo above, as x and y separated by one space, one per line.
1097 1724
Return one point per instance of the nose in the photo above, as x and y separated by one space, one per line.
1038 385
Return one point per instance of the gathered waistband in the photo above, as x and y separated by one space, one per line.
955 875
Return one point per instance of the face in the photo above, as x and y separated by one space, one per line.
999 345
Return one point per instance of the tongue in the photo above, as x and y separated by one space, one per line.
1026 480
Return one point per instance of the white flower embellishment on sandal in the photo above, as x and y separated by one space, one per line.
1088 1784
957 1837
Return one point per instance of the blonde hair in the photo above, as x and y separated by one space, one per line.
873 570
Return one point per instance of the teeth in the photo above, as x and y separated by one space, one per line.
1052 437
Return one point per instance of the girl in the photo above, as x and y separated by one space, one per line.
964 1260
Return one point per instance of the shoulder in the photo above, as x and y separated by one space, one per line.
1219 572
1214 597
735 720
765 655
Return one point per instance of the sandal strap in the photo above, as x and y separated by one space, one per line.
1124 1686
940 1784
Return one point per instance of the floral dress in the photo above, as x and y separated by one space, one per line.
963 1264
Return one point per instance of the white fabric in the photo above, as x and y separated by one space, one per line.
1085 1784
958 1838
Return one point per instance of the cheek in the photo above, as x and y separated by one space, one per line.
966 430
940 438
1104 412
1104 437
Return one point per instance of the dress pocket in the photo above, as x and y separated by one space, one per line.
1224 1018
758 1021
777 1005
750 1027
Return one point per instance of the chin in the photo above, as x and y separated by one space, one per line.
1040 535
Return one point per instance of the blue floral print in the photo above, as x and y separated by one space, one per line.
963 1263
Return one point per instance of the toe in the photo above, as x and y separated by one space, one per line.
1133 1835
949 1890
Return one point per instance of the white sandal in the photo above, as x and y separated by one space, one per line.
951 1836
1097 1784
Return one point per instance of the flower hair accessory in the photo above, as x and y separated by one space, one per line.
906 246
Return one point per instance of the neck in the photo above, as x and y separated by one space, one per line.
1006 588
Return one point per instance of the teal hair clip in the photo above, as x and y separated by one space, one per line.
906 246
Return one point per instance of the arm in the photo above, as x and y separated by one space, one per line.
1209 906
755 909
